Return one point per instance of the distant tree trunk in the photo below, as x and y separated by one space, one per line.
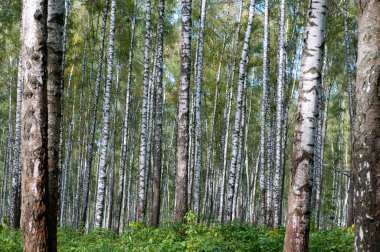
157 158
124 147
264 102
181 205
239 96
270 168
112 170
212 145
10 151
198 119
226 117
324 128
298 218
278 176
351 108
55 21
366 137
91 140
144 121
34 185
81 147
105 122
15 201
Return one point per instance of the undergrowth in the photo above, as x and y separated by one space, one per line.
188 237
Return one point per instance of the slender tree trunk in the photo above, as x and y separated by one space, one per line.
181 205
297 226
15 201
198 119
91 140
351 108
366 137
227 112
321 154
144 120
105 122
124 147
278 176
266 74
157 158
81 147
66 164
239 96
34 185
270 168
8 186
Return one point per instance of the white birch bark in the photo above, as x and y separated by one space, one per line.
297 225
144 120
264 102
277 192
239 96
198 119
181 205
99 210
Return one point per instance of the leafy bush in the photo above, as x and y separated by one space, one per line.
191 236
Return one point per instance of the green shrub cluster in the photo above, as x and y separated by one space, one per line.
188 237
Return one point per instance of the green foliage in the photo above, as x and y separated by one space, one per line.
191 236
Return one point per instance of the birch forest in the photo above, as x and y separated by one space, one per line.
208 125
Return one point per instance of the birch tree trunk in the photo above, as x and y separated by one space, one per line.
15 198
55 21
144 121
105 123
298 218
124 147
278 176
91 140
34 185
319 146
8 186
318 197
198 119
351 108
81 147
226 115
239 96
111 170
366 137
181 205
264 102
157 158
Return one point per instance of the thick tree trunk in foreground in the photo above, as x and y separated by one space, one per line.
55 20
181 205
367 129
298 218
34 212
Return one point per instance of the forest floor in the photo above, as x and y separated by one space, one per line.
188 237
